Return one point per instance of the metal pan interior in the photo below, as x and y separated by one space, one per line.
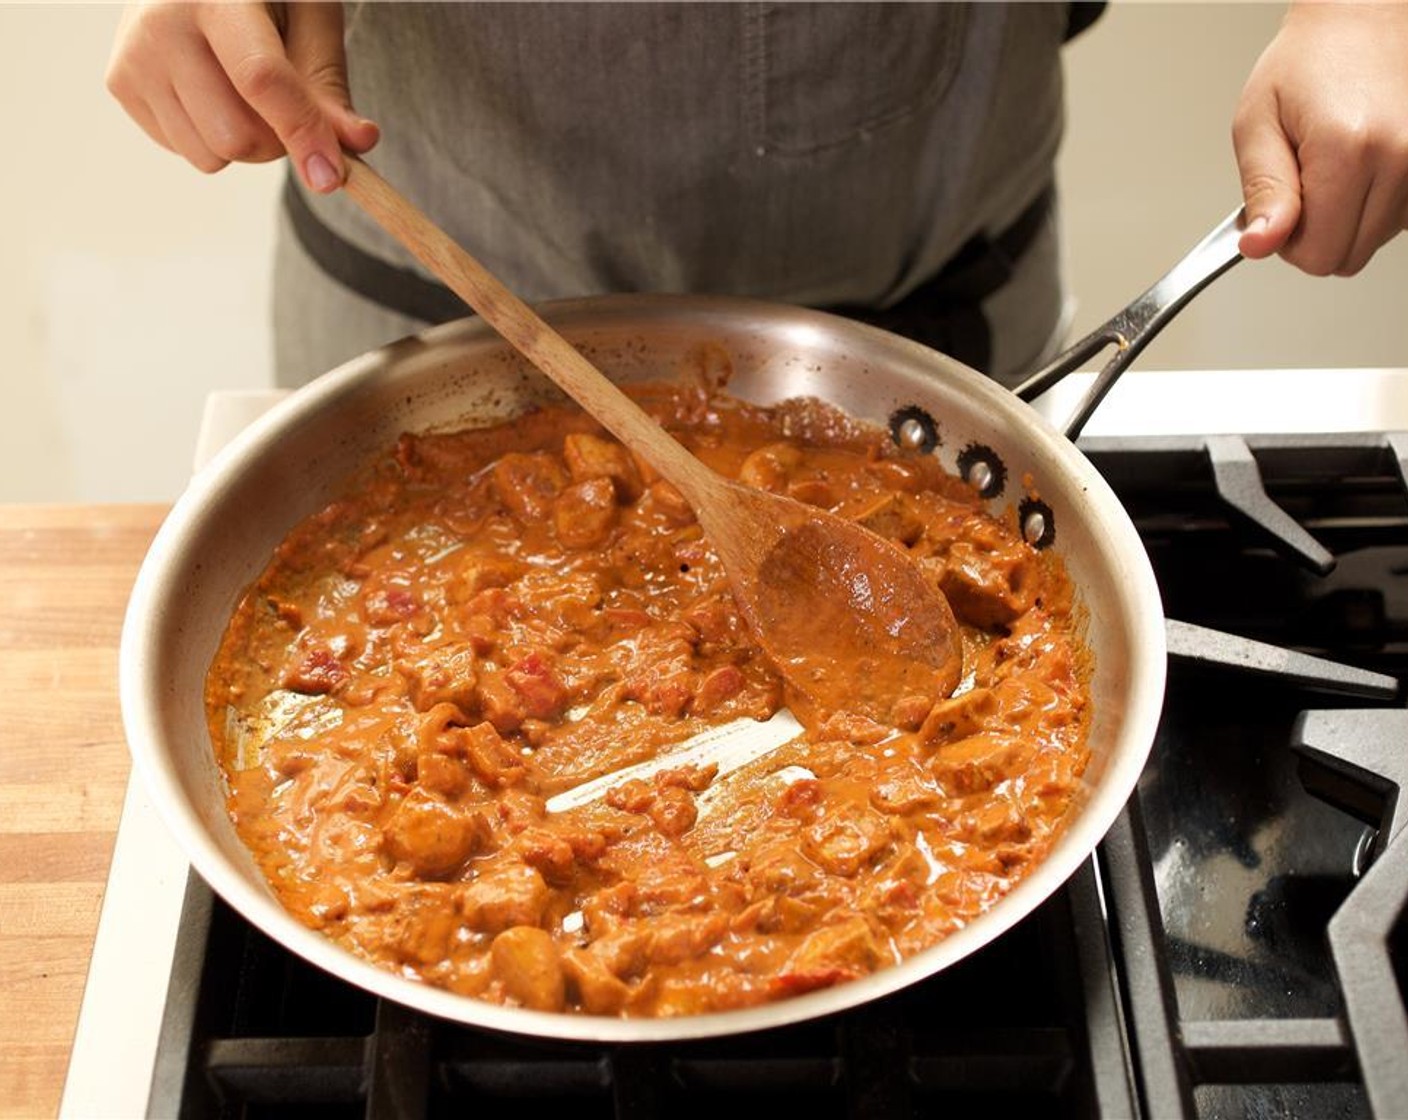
288 464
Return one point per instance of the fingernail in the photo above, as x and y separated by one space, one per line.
321 174
1257 224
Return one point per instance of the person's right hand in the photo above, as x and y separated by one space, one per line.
1321 137
224 83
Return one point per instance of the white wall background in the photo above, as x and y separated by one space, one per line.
131 285
1147 169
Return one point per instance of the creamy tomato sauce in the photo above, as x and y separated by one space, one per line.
493 617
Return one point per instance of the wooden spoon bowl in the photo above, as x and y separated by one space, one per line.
847 617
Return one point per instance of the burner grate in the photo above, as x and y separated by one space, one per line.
1358 761
1010 1024
1228 854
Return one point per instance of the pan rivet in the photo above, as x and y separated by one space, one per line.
911 434
980 476
1034 526
913 429
1038 522
981 467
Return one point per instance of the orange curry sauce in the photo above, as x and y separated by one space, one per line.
495 616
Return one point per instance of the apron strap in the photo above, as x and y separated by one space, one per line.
945 313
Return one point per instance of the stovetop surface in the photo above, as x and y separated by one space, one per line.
1186 970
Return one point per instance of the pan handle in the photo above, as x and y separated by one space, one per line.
1130 330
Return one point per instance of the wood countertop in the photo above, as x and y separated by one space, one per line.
65 575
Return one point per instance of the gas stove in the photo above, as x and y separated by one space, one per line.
1237 946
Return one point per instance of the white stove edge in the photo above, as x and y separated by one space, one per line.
1242 402
114 1050
124 999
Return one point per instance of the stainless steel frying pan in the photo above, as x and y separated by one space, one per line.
292 461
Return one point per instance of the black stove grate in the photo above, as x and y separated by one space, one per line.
259 1033
1242 851
1225 954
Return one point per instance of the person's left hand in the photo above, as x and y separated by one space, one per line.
1321 137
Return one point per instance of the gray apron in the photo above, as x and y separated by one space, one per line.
833 155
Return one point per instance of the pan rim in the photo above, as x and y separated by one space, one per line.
140 691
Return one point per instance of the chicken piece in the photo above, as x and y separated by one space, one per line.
894 517
433 836
714 618
528 689
694 778
557 853
496 606
664 500
781 869
492 759
519 809
635 795
848 946
528 484
328 904
998 823
552 855
799 799
624 951
423 929
507 896
672 879
663 687
904 790
831 955
910 475
526 963
585 513
441 774
673 811
442 675
911 710
590 457
597 989
770 467
843 845
603 910
475 573
290 757
439 728
894 897
498 703
1033 703
989 588
961 716
681 937
979 762
540 689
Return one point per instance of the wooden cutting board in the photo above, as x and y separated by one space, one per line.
65 574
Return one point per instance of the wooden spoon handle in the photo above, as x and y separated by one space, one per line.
524 329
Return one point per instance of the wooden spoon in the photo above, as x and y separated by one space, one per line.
848 618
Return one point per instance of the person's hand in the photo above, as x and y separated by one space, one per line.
1321 137
224 83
